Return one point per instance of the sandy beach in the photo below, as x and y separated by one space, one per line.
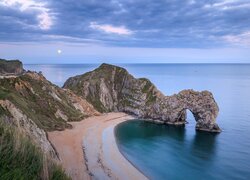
89 151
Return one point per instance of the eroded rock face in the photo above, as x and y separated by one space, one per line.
111 88
25 125
34 106
202 105
12 67
49 106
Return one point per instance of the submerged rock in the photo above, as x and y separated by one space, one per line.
111 88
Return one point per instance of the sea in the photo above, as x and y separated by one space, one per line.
181 152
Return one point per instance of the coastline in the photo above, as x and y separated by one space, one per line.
114 135
89 150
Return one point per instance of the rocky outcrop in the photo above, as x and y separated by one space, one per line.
12 67
35 106
49 106
172 109
111 88
81 104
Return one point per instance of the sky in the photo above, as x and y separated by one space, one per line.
125 31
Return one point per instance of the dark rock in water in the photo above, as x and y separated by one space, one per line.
111 88
11 67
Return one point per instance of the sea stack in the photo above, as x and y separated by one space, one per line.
111 88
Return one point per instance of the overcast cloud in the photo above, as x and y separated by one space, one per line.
128 23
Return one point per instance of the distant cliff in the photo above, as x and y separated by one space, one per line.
11 67
111 88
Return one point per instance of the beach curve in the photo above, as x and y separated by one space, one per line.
89 149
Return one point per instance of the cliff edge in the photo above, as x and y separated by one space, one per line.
10 67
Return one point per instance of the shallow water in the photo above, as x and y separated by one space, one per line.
180 152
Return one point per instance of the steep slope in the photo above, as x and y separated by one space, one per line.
34 106
49 106
31 106
111 88
20 158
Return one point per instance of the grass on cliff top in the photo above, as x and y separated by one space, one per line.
39 106
21 159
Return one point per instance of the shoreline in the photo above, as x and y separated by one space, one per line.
89 150
129 171
114 131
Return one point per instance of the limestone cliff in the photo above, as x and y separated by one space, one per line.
111 88
12 67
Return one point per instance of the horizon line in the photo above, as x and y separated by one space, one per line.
206 63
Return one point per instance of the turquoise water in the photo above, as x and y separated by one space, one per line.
168 152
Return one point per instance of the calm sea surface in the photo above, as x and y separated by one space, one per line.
168 152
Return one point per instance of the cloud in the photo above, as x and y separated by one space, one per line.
191 1
44 17
120 30
120 7
229 5
141 23
242 39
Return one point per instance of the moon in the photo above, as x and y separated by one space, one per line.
59 51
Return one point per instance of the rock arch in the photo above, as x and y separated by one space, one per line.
201 104
112 88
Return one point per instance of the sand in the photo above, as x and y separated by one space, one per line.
89 151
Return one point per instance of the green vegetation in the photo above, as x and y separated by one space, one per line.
114 77
96 102
148 89
97 105
21 159
34 97
3 93
147 86
151 98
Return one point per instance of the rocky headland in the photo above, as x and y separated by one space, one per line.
11 67
111 88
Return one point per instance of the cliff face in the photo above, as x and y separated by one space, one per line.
13 115
49 106
34 105
13 67
111 88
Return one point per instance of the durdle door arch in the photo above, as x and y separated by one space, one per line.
111 88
